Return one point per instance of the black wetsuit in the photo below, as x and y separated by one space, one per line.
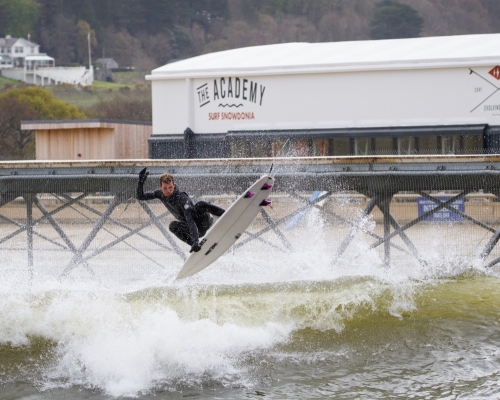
193 220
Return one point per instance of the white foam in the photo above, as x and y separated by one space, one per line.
124 345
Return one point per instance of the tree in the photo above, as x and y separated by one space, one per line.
132 107
493 7
31 103
19 17
83 31
393 20
13 141
44 103
126 49
4 18
157 48
58 36
181 42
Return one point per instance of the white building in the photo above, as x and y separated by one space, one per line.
17 49
433 94
21 60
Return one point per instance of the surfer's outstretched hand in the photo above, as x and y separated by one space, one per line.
143 175
195 247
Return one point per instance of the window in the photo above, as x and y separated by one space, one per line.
280 148
284 148
362 146
251 148
427 145
259 148
450 144
300 148
321 147
472 144
239 149
18 49
340 147
406 145
384 145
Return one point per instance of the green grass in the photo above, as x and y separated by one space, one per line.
102 85
84 97
7 82
131 77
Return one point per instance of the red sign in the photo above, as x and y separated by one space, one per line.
495 72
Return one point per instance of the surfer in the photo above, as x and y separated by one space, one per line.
193 220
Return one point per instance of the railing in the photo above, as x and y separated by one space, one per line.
84 214
51 75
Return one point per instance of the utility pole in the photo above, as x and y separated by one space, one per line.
90 59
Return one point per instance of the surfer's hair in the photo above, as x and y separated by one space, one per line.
166 178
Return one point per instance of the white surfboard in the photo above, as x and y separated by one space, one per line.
229 227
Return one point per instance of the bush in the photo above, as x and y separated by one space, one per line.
31 103
136 106
43 103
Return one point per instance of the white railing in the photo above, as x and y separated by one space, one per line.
52 75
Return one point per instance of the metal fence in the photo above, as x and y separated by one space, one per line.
83 216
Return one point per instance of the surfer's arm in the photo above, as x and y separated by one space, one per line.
144 196
143 176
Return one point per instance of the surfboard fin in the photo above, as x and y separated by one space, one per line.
249 194
265 202
266 186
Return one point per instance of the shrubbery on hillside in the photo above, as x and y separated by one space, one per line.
30 103
134 106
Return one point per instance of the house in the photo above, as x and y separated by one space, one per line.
104 68
17 49
106 63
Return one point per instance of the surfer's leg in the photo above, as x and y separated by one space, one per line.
205 206
203 223
181 231
203 211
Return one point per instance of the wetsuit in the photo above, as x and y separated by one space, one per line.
193 220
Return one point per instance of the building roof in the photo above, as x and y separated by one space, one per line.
107 62
9 42
293 58
77 123
39 57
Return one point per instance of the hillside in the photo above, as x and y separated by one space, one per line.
146 35
85 97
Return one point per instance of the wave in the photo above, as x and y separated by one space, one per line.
126 343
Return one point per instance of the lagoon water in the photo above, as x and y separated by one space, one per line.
257 324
